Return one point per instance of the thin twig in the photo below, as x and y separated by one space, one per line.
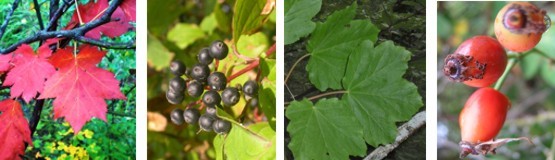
7 19
293 67
404 131
39 17
56 16
35 117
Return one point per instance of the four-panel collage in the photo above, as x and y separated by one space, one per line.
267 79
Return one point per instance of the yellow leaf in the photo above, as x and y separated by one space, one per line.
87 133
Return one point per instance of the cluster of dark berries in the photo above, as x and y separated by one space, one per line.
199 79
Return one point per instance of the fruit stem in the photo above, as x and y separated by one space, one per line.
271 50
293 67
237 124
542 53
323 95
216 65
194 103
251 66
512 63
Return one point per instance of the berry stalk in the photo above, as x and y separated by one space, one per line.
251 66
512 63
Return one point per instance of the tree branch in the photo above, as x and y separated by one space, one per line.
404 131
54 17
76 33
35 117
7 19
104 44
39 17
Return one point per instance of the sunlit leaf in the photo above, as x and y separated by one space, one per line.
247 17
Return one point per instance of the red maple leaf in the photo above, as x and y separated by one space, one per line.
80 87
91 11
14 130
29 71
128 7
5 62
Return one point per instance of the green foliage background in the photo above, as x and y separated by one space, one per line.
530 85
54 139
178 30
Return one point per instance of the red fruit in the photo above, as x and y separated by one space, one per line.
478 62
519 26
482 117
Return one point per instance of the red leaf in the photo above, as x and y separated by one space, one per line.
128 7
91 11
14 130
80 87
30 71
5 62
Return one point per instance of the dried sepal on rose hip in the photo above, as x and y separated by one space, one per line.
519 26
481 119
478 62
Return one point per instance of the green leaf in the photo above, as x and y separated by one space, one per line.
547 71
298 15
268 67
223 18
248 17
267 91
267 101
184 34
327 130
162 14
256 142
331 43
209 23
252 45
158 56
376 91
531 64
219 146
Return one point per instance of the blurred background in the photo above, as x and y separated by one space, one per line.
530 86
178 30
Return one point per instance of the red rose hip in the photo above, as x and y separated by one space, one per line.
478 62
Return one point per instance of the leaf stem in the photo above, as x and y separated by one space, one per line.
323 95
512 63
293 67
